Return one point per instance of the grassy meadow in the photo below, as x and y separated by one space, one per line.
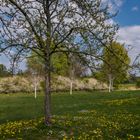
81 116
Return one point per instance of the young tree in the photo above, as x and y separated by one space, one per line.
116 69
3 71
51 26
60 64
136 66
63 64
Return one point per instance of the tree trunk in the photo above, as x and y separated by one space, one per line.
35 85
111 80
35 90
71 72
48 66
110 83
47 98
71 87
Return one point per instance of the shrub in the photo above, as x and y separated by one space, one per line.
138 84
42 85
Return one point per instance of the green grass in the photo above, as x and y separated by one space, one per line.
83 115
127 86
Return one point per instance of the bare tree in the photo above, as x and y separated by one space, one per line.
50 26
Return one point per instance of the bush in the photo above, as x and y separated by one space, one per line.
138 84
42 85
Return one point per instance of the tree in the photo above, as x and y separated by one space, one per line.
3 71
34 64
53 26
115 66
136 66
63 64
60 64
35 69
77 68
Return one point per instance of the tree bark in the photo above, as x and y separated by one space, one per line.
71 87
35 90
48 98
48 66
35 86
110 83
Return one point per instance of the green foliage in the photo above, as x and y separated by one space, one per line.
99 75
60 64
116 62
3 71
35 64
42 85
138 84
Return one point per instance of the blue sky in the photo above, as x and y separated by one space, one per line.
129 13
128 19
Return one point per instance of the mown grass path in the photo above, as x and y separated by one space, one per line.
83 115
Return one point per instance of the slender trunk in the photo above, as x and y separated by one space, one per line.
71 87
71 79
48 66
71 73
109 87
112 84
35 91
35 84
47 98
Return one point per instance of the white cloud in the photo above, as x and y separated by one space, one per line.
135 8
130 35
